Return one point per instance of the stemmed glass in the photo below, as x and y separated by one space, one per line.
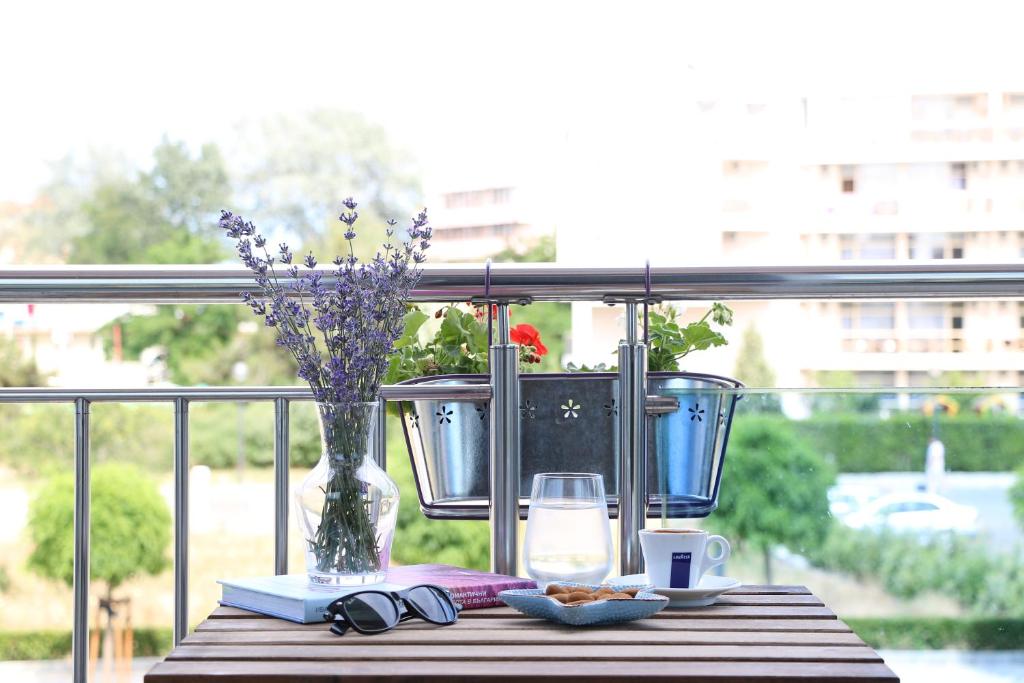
568 537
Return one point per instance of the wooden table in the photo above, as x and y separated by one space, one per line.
754 633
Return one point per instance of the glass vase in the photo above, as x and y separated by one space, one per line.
347 506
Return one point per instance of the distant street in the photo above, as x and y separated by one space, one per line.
987 492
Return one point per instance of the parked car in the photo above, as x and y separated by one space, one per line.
915 512
845 499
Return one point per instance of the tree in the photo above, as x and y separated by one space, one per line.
850 401
130 530
167 214
15 369
753 369
293 171
130 526
1017 497
774 490
542 251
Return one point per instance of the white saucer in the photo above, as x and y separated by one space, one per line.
704 594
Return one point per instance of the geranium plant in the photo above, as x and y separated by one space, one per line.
458 347
460 344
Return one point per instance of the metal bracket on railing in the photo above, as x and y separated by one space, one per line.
436 392
661 405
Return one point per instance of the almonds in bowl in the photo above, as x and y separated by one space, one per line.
577 594
585 604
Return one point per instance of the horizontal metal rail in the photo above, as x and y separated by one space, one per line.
390 392
534 282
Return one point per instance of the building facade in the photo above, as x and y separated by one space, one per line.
844 180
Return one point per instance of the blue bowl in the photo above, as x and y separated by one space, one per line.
533 603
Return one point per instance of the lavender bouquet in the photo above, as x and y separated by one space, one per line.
340 325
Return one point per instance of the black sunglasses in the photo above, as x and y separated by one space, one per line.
370 612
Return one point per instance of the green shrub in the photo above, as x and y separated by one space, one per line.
906 566
19 645
421 540
940 633
24 645
1017 497
774 489
865 443
129 522
214 434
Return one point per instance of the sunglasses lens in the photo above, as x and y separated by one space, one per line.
371 611
433 603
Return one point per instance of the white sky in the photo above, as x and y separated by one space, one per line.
475 89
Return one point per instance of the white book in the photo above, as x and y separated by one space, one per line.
289 596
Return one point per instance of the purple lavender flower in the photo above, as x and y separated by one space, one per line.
339 325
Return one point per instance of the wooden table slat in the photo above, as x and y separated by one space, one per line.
589 672
755 633
721 612
590 636
486 652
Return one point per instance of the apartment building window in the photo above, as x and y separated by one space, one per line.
943 108
476 231
877 316
460 200
956 317
929 315
847 179
936 245
958 177
868 247
868 316
871 379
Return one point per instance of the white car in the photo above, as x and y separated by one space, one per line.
914 512
846 499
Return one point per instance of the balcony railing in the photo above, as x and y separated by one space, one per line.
632 286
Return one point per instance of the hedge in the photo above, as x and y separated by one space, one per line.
940 633
866 443
15 645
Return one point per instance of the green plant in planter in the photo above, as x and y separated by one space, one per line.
459 347
670 342
460 344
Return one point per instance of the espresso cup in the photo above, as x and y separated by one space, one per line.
678 558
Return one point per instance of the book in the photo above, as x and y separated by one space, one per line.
292 597
471 588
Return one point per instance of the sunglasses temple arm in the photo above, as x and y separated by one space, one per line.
339 627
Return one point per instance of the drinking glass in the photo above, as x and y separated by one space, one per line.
568 537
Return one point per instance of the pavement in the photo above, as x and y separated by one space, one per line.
60 670
939 666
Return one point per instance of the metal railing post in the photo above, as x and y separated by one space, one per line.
504 448
632 445
281 435
80 630
180 520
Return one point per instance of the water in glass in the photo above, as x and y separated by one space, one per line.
568 537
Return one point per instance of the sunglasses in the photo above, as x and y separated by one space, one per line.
370 612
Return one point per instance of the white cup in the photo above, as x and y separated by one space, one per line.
678 558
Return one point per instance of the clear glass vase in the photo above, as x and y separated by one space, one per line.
347 506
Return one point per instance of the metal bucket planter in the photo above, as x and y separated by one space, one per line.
570 424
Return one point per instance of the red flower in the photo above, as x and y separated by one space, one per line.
527 335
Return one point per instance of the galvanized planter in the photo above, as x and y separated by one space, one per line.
570 424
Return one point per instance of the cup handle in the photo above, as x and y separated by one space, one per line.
710 562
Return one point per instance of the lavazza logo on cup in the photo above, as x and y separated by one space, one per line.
678 558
